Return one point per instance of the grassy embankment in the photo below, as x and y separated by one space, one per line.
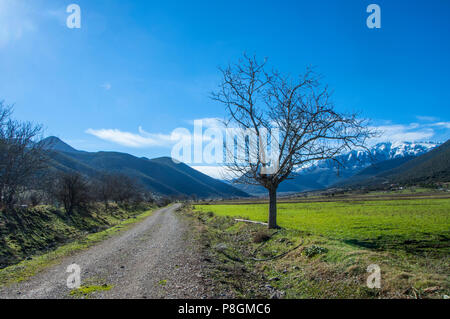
42 236
408 239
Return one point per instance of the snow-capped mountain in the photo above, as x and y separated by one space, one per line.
325 172
378 153
396 150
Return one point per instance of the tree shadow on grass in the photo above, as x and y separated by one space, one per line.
439 245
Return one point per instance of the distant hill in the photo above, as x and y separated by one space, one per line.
297 183
54 143
370 175
161 175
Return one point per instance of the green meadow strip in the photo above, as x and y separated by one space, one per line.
380 222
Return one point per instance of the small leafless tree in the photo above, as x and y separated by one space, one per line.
21 155
261 103
126 189
104 188
119 188
72 190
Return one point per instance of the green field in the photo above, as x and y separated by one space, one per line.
407 238
420 223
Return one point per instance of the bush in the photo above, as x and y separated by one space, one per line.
72 190
261 235
314 250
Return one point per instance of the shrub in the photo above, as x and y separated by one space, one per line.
314 250
261 235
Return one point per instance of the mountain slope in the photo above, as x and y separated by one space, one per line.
161 175
433 166
370 174
54 143
297 183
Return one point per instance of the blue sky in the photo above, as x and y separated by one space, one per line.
152 64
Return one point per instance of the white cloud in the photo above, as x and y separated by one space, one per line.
427 129
143 139
442 125
400 133
107 86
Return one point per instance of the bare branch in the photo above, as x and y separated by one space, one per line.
301 110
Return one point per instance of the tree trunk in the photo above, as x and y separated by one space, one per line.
273 208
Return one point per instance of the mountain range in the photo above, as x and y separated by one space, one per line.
383 163
358 166
161 176
433 166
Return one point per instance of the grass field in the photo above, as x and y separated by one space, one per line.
407 238
394 223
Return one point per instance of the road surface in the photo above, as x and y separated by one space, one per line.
154 259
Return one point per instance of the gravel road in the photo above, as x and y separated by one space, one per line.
154 259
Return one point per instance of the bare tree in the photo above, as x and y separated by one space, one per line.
296 115
72 190
21 155
119 188
126 189
104 188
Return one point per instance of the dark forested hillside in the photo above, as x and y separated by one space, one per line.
433 166
161 175
371 174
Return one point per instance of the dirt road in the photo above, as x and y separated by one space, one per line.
154 259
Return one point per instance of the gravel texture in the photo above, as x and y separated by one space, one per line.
154 259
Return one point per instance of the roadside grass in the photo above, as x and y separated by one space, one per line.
30 267
338 241
86 291
162 282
